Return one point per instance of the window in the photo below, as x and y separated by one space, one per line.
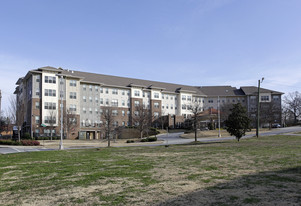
107 91
37 131
123 123
137 93
189 98
50 92
143 94
162 96
50 105
166 106
265 98
115 124
162 106
128 103
84 87
114 102
114 112
101 100
136 103
61 94
183 106
128 113
38 78
183 97
37 118
96 99
49 79
114 91
123 102
123 92
156 114
72 95
90 87
90 110
171 106
107 101
210 101
101 90
123 113
72 120
276 98
84 110
167 96
96 88
156 95
136 113
37 105
90 99
72 83
96 111
128 93
49 120
84 98
38 91
101 111
72 108
171 97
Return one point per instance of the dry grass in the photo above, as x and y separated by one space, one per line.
264 171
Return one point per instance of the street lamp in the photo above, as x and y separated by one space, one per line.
61 147
258 107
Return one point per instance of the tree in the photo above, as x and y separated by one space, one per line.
238 121
70 122
108 119
196 109
142 118
293 104
269 112
12 113
52 121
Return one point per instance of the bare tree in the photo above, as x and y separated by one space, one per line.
196 109
70 121
142 118
52 121
293 104
12 113
162 119
269 112
108 119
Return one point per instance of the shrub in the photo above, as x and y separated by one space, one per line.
130 141
23 142
26 136
30 142
149 139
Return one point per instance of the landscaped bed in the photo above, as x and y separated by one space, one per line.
264 171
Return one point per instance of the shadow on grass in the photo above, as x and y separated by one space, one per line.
265 188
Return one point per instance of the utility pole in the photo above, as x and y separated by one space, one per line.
219 117
258 107
61 147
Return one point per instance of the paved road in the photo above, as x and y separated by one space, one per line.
174 138
168 139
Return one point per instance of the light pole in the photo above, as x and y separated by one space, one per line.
258 107
61 147
219 117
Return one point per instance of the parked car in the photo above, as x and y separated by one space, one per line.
276 125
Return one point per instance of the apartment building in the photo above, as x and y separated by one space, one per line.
42 92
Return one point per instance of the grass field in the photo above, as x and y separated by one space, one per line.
264 171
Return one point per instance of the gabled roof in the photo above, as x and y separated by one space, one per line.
125 82
251 90
221 91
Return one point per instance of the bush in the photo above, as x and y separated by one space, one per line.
149 139
30 142
26 136
23 142
130 141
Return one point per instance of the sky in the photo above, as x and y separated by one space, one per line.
190 42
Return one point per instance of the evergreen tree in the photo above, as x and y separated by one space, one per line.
238 121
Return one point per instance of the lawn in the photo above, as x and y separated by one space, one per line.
265 171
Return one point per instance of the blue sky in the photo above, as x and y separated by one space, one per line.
193 42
